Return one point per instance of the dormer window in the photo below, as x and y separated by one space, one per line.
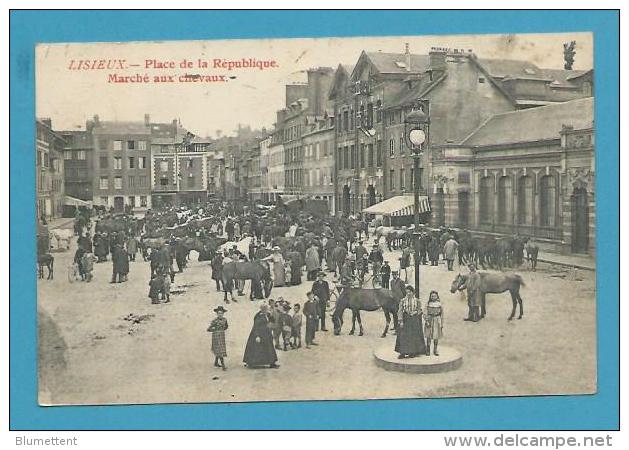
481 79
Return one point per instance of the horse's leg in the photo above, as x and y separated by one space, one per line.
387 317
521 305
353 322
360 323
515 303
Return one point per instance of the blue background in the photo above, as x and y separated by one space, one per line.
600 411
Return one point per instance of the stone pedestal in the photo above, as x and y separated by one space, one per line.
448 359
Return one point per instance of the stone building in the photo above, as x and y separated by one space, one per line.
122 164
318 163
275 166
179 169
49 181
77 160
529 172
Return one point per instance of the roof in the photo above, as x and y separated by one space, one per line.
401 205
534 124
118 127
396 62
410 95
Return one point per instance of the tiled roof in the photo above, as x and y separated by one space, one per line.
118 127
544 122
396 62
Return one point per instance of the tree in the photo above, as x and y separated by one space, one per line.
568 54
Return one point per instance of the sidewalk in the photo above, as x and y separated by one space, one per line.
584 262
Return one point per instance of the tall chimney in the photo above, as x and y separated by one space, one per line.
407 53
147 120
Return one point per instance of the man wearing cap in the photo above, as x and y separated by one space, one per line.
398 287
376 259
347 275
385 274
321 290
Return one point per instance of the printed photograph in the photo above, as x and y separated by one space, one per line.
315 219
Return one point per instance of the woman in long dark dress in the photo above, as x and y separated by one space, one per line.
259 350
410 338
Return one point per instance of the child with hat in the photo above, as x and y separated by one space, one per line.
217 328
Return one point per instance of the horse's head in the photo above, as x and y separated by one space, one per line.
458 284
337 315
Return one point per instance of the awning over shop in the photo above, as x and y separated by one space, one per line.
401 205
73 201
288 199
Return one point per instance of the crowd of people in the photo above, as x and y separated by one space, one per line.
289 246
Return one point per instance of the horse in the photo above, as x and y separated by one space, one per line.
64 235
358 299
256 271
45 260
494 283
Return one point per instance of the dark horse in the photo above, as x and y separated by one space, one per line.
256 271
45 260
357 300
494 283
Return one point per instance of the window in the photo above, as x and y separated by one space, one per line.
117 145
352 157
141 145
117 182
370 115
325 148
391 118
55 164
46 160
142 181
117 162
103 162
402 179
346 157
130 145
67 155
317 150
486 199
392 179
39 158
318 177
102 144
548 195
339 157
131 162
142 162
379 153
131 182
391 148
163 165
104 183
362 156
402 146
481 80
525 200
163 181
351 119
505 199
370 156
143 201
464 178
80 155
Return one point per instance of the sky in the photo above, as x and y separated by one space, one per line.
70 97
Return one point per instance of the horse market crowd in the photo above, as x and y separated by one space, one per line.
271 247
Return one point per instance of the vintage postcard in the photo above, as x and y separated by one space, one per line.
315 219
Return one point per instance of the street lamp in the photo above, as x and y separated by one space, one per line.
416 130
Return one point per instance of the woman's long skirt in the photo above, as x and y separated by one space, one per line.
410 339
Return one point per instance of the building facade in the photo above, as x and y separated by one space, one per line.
276 167
122 164
50 191
528 172
318 164
78 165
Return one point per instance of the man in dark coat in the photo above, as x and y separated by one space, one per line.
339 255
259 350
398 287
310 311
376 258
217 269
321 290
360 251
118 257
295 267
385 274
180 254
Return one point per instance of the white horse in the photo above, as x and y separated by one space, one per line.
62 235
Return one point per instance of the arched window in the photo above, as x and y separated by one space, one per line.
505 199
525 200
486 207
547 201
